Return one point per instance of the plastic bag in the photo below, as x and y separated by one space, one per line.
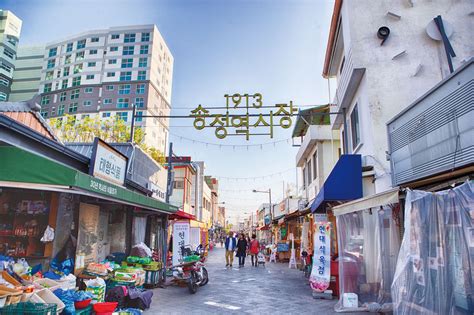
140 250
65 267
48 235
97 288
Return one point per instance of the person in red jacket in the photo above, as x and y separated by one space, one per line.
254 248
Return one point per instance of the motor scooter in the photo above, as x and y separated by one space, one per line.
192 269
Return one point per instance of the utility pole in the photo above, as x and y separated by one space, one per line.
132 127
169 187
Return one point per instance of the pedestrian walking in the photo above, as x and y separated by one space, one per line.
241 250
254 248
222 240
230 246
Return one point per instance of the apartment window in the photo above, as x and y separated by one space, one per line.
78 68
126 76
122 116
87 103
45 100
81 44
144 49
109 88
110 74
129 38
88 90
308 169
76 81
5 67
179 184
145 37
112 61
62 96
85 116
75 94
47 87
52 52
72 108
94 39
355 128
69 47
66 71
61 109
124 89
105 115
113 48
127 63
122 103
138 116
140 88
9 53
49 75
91 64
4 82
58 75
141 75
115 36
51 63
139 102
79 56
93 52
53 111
90 77
107 101
67 59
44 113
64 84
315 165
3 96
142 62
128 50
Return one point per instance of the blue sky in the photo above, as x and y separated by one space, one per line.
272 47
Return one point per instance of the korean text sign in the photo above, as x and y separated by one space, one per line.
108 164
321 272
180 238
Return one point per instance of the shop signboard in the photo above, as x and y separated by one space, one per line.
283 247
158 192
180 238
107 163
267 219
321 272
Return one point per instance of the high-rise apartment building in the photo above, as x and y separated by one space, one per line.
106 73
27 75
10 29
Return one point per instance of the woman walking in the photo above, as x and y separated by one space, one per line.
254 249
241 250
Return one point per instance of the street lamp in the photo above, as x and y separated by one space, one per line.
269 192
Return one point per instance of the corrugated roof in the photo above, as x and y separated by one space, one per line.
318 115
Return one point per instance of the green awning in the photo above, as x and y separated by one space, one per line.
17 165
318 115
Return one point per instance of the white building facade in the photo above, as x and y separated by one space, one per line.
106 73
10 30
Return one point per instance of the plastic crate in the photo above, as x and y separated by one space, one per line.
28 308
84 311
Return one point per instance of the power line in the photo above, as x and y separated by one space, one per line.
232 145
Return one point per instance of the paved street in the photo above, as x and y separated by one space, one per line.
274 289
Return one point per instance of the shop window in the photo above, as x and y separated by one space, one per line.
315 164
355 127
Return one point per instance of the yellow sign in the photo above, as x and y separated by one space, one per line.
244 123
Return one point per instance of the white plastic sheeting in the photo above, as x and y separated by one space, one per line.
368 247
434 273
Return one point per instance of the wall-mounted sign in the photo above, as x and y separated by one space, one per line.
244 118
158 192
107 163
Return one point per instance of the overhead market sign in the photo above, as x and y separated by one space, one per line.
107 163
243 117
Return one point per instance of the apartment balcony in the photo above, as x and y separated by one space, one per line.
314 134
347 86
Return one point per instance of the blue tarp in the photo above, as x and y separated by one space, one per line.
344 183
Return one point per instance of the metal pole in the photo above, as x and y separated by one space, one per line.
132 127
170 167
271 212
346 145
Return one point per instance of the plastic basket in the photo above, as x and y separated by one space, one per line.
28 308
10 296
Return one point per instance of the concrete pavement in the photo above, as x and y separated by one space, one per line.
275 289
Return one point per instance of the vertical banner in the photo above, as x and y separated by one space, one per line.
180 238
195 237
87 239
321 272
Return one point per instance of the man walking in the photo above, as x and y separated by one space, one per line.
230 245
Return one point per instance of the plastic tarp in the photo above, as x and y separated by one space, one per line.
434 272
369 241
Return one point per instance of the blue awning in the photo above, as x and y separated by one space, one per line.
344 183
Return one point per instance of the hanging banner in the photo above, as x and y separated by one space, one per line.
321 272
180 238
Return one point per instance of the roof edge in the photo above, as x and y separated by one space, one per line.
332 36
